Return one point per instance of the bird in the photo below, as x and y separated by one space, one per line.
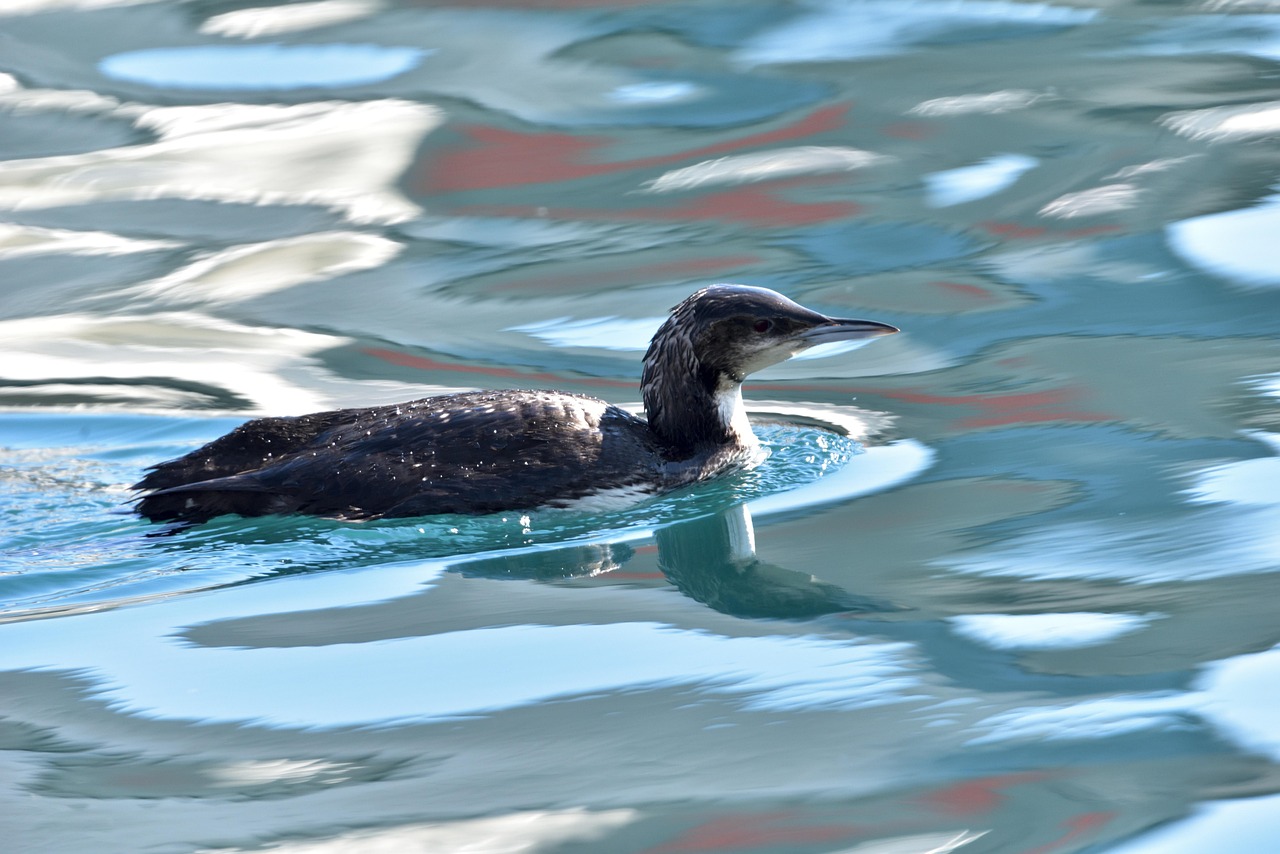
481 452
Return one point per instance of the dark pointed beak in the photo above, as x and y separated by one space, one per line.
836 329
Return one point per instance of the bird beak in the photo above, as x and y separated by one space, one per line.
836 329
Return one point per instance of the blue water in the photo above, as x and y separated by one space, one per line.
1005 582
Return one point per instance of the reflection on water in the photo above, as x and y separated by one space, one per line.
268 66
1004 584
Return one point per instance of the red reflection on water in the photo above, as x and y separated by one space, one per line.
1077 825
1018 408
733 833
973 291
496 157
977 796
933 812
1016 231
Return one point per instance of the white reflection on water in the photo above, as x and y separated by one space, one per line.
1238 532
273 368
655 93
1048 631
314 153
1268 384
295 17
1238 245
1226 123
1237 695
262 66
1160 164
967 183
1109 198
515 833
1212 543
1248 35
992 103
765 165
13 95
1249 824
18 240
1068 260
606 333
1089 719
924 843
247 271
859 29
477 671
1241 696
1248 482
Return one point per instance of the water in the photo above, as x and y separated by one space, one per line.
1005 583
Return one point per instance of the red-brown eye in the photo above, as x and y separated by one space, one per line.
762 325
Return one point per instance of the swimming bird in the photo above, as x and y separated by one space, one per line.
489 451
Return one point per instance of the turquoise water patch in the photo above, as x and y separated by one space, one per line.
262 66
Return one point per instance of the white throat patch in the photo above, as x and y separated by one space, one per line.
733 413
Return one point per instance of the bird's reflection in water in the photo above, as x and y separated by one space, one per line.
713 560
561 562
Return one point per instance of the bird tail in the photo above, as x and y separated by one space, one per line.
205 499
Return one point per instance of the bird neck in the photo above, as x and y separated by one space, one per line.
691 406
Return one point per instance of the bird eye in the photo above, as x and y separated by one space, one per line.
762 325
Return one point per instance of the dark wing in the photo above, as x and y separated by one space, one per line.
469 453
250 446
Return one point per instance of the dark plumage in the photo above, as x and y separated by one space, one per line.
483 452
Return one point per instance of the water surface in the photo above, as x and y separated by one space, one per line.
1005 582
